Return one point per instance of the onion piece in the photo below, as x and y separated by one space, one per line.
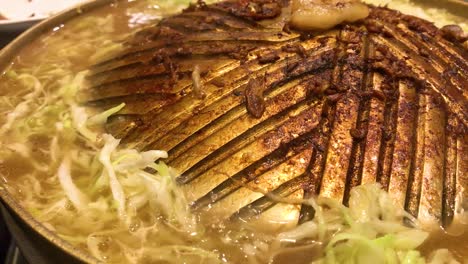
78 199
105 158
325 14
197 84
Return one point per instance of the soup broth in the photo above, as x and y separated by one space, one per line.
46 149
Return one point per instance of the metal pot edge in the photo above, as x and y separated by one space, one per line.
7 54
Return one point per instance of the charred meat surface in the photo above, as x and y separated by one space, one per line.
243 102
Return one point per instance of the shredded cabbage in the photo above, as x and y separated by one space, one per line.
112 178
370 230
101 119
74 194
110 146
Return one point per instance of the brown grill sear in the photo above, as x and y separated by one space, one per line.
295 113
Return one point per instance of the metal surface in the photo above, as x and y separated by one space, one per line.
382 100
302 144
4 239
15 256
37 248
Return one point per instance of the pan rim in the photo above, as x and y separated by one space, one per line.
7 54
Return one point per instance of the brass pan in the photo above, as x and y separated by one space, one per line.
426 195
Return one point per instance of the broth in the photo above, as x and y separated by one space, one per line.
69 49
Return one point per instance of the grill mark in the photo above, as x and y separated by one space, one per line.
127 83
374 131
456 53
123 64
456 50
224 71
451 173
248 137
426 196
435 51
340 145
265 36
356 160
229 118
215 125
334 177
157 69
311 50
315 171
428 56
225 16
214 95
453 96
198 55
253 171
448 191
184 127
278 76
149 84
119 64
388 138
185 136
416 184
213 174
264 203
143 55
136 104
152 60
173 113
259 38
189 24
130 73
404 139
153 112
430 207
413 194
461 177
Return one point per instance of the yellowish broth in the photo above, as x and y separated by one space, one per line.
73 53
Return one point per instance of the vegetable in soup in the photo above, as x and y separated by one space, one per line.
123 205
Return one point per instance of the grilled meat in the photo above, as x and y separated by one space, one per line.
295 113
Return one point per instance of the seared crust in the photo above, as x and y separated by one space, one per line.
296 113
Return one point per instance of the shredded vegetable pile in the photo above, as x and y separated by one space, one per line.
129 206
90 176
370 230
